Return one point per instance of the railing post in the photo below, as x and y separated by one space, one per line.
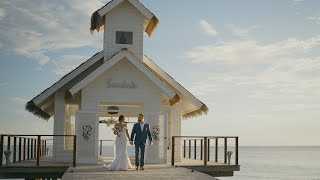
1 148
45 147
100 147
208 149
172 151
35 148
28 150
9 143
31 155
74 151
225 150
201 149
38 150
195 149
205 151
24 148
184 148
237 151
189 149
216 150
20 144
14 149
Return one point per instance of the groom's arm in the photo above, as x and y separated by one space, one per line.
149 134
133 132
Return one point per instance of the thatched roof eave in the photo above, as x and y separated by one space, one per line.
34 109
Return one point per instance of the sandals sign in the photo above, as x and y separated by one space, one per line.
121 84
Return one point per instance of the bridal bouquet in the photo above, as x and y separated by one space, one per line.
117 130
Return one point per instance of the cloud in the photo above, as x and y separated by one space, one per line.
67 63
207 28
314 19
2 13
249 50
285 74
241 32
19 100
3 84
36 28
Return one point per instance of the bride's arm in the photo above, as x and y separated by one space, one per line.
127 133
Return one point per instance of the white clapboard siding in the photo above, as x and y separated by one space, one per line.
97 92
124 17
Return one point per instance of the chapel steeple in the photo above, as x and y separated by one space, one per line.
124 22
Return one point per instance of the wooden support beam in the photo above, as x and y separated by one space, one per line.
74 151
24 148
225 149
1 148
205 151
35 148
208 149
184 148
28 150
14 149
216 150
189 149
31 155
172 151
201 149
237 151
195 149
9 143
100 147
20 146
38 150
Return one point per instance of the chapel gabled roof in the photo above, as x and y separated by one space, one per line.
98 17
191 105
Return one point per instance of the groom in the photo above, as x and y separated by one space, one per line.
139 134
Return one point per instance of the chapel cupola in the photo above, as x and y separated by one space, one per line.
124 22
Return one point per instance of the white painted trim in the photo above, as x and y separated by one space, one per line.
67 78
108 64
143 10
172 82
109 7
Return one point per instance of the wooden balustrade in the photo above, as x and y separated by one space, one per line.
29 148
204 148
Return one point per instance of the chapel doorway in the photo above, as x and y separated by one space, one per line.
108 116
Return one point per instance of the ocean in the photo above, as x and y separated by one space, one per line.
270 162
279 163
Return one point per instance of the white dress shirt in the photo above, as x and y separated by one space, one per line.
141 126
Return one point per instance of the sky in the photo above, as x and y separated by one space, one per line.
256 64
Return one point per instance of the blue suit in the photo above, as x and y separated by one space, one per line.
140 139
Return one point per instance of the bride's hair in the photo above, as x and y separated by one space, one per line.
121 118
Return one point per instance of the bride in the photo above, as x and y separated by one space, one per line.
122 161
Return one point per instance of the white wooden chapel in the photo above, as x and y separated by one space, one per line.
120 79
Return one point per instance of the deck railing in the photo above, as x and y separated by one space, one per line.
30 147
205 149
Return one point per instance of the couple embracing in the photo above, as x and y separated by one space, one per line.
139 134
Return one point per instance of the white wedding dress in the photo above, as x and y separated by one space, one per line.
122 161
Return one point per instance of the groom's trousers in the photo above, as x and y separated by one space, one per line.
140 147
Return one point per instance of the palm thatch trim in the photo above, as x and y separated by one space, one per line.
175 100
152 25
93 24
34 109
203 110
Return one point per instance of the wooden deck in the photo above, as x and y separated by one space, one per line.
154 172
186 169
